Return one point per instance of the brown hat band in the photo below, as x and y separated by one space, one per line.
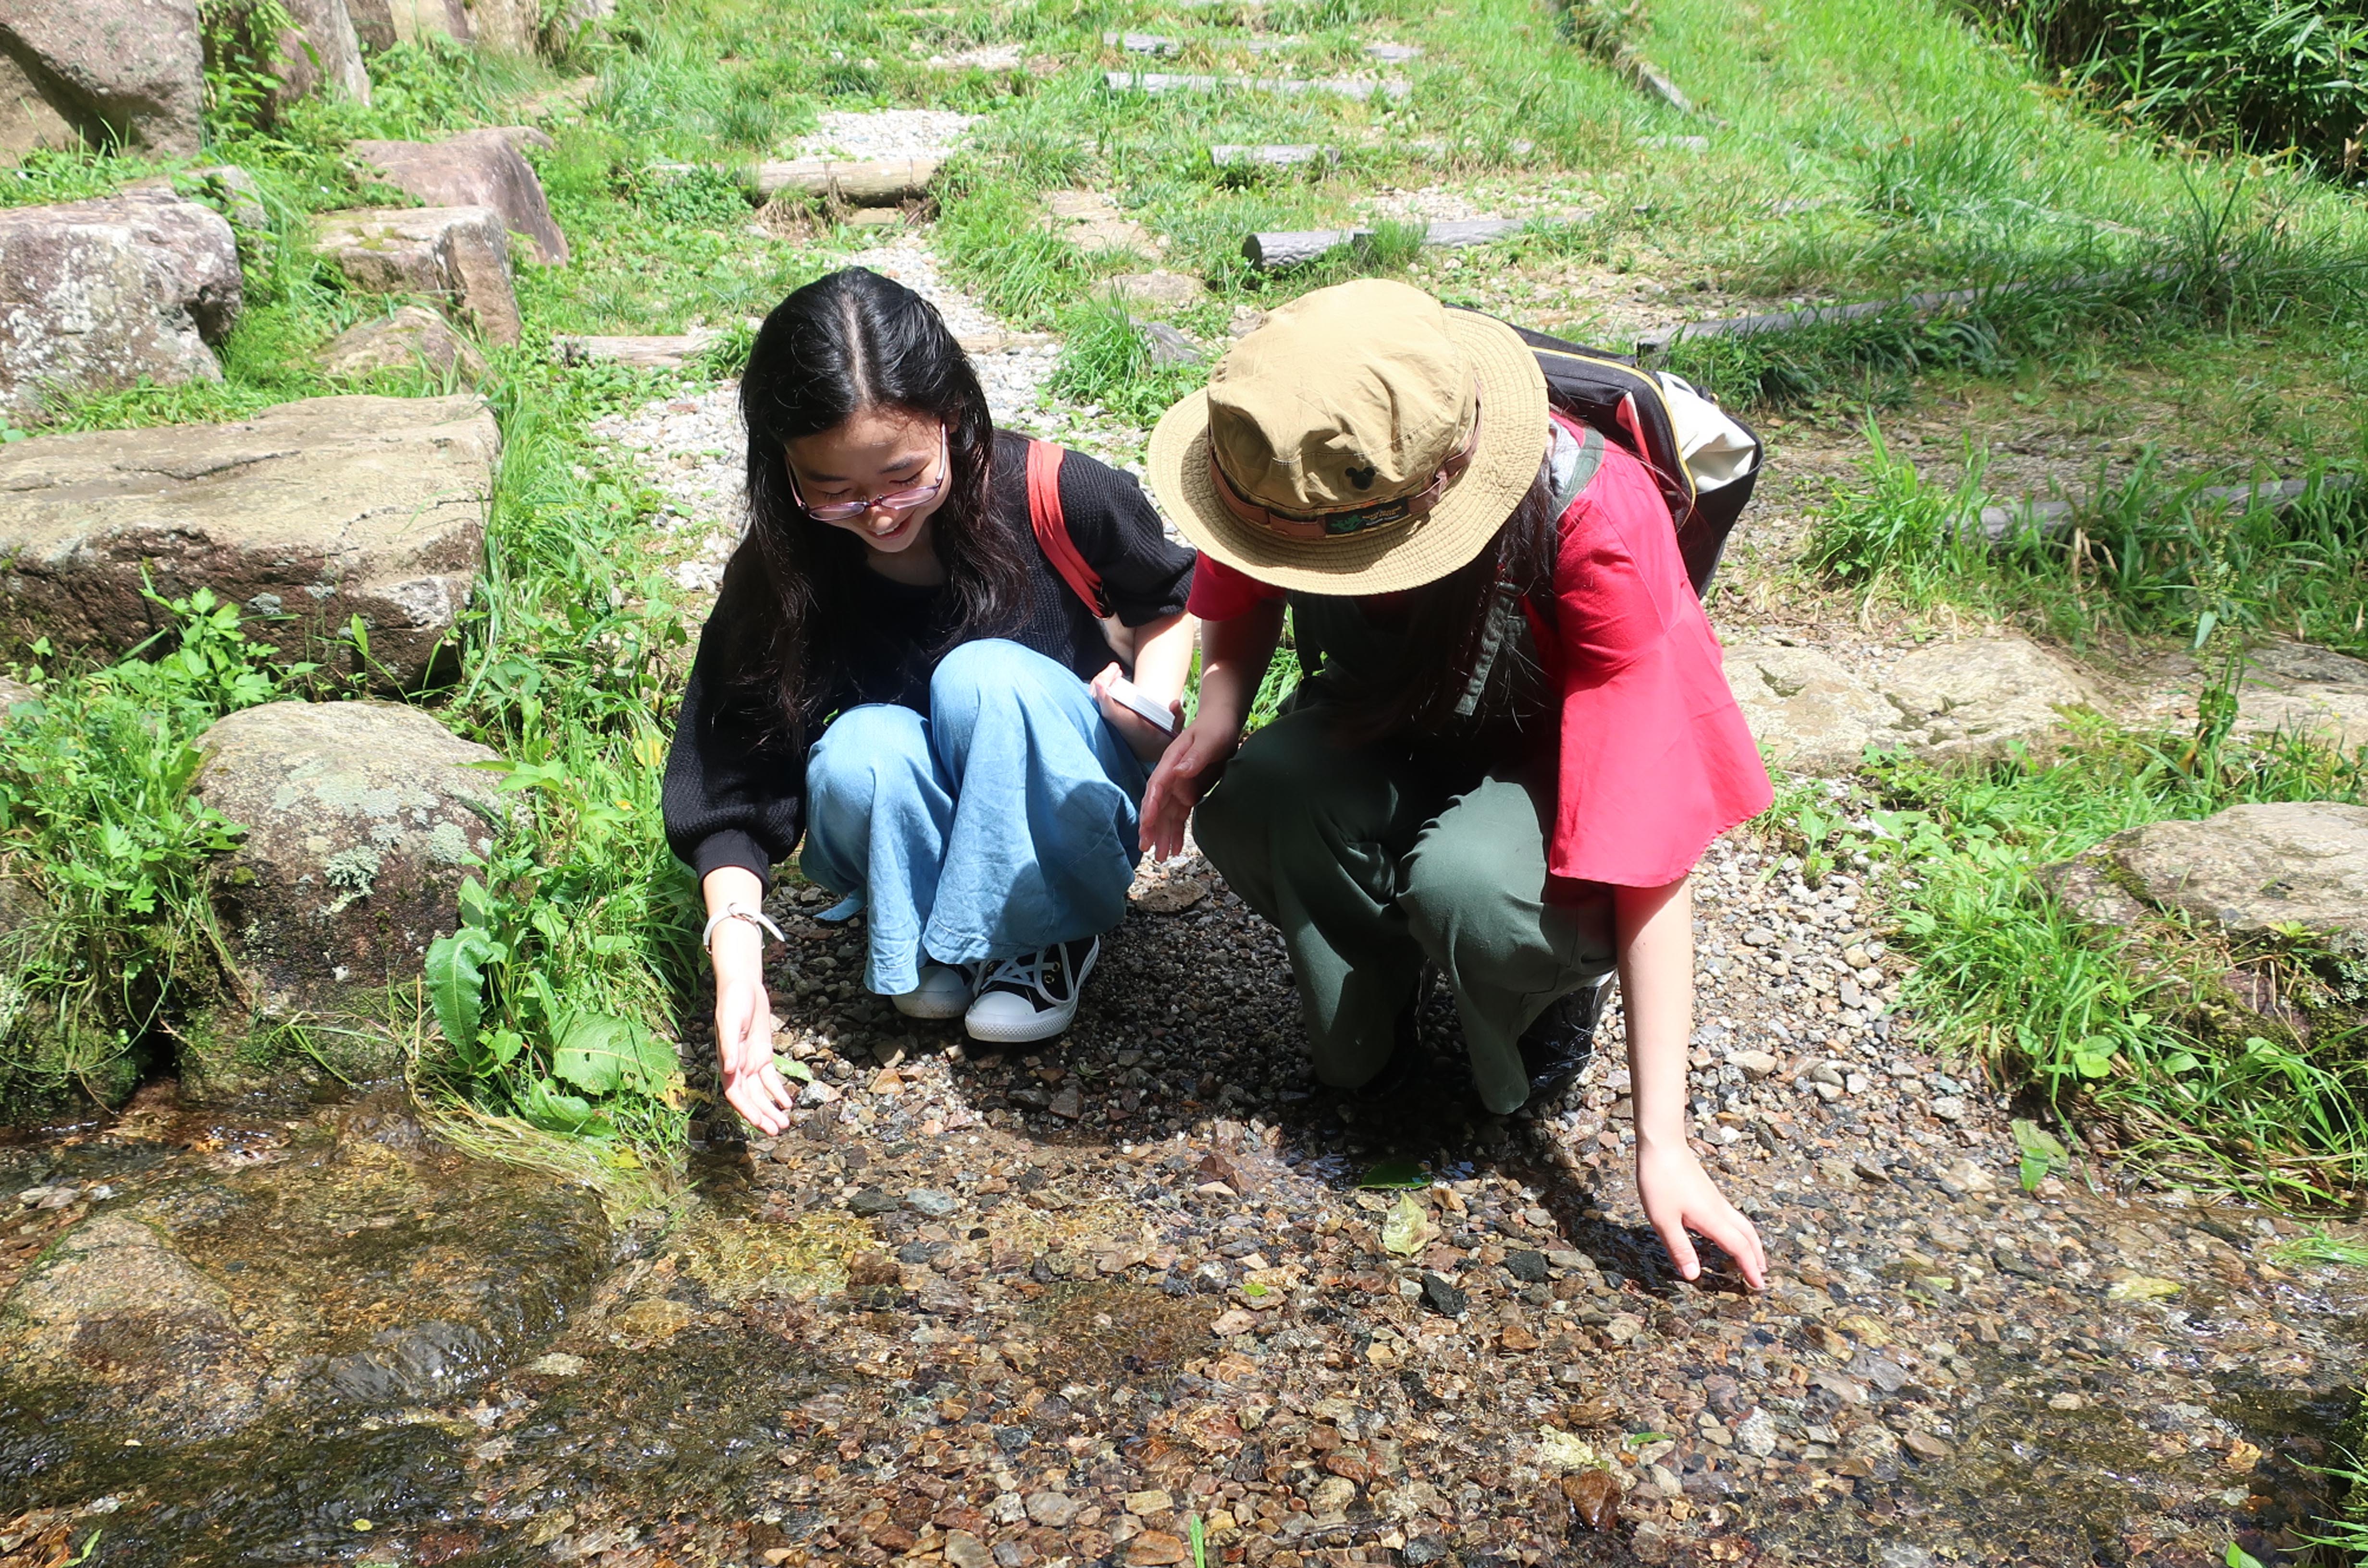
1351 520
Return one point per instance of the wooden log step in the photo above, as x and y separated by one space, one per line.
1141 43
876 184
1157 82
1658 341
1268 252
2031 515
1274 156
1394 53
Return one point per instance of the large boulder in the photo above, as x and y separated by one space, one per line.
382 24
1972 696
321 53
1807 712
408 339
2251 871
316 511
457 254
117 70
95 295
1978 695
29 119
476 168
362 819
2300 689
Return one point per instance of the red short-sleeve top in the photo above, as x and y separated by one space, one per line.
1656 760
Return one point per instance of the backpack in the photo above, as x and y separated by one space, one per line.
1705 461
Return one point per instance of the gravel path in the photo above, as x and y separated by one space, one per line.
1131 1277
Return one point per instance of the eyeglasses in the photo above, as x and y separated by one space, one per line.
897 501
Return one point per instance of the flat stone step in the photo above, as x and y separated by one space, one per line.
655 352
1268 252
1158 81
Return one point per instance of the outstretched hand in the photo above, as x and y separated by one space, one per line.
1679 1197
1180 779
744 1032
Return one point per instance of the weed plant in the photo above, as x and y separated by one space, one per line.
2140 556
105 929
2255 75
2118 1028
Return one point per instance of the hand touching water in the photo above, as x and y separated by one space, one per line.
1679 1197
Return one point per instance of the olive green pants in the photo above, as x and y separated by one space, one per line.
1371 859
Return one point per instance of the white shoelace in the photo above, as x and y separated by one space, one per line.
1026 970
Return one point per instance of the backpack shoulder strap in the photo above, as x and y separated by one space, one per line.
1052 526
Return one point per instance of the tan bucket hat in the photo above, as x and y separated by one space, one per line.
1364 440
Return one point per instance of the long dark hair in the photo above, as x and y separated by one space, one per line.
1446 624
843 343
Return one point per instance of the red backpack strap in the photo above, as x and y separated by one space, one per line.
1053 529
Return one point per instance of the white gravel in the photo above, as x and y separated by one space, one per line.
886 134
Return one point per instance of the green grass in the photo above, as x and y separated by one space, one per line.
2256 76
2124 1031
2142 555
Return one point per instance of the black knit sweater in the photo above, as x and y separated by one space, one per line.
736 790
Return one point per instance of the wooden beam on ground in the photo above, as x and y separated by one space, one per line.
881 183
1657 342
1270 252
1273 155
2031 515
1158 81
1141 43
655 353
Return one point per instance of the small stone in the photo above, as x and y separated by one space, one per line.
1870 1167
1855 956
1054 1510
2065 1402
1759 936
871 1201
1443 1298
557 1364
1948 1108
1924 1445
1331 1498
1529 1267
964 1549
1232 1322
1756 1433
818 1094
928 1201
1163 289
1069 1104
1594 1496
1156 1549
1967 1177
1149 1502
1755 1065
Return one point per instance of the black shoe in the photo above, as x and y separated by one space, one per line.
1033 996
1559 1045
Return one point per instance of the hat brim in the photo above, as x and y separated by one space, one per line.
1385 561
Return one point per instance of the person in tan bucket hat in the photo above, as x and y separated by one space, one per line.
1515 740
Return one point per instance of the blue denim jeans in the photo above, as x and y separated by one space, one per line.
1002 821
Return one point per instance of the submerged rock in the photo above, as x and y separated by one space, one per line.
341 1272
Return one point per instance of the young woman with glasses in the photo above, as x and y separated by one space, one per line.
896 672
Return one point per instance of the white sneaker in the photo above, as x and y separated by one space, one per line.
943 993
1032 996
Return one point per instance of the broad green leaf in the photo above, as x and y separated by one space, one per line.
2240 1557
476 903
455 983
554 1110
1406 1229
595 1053
2179 1061
790 1067
1392 1174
